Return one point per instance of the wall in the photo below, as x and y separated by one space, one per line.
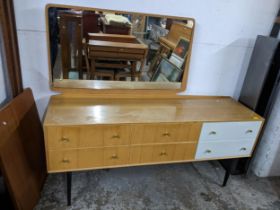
3 94
267 158
223 42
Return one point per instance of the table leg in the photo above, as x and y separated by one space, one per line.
133 70
69 186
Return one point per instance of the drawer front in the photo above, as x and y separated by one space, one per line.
224 149
230 131
116 156
164 133
62 137
116 135
62 160
162 153
88 136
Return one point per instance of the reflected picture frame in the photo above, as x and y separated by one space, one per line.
167 71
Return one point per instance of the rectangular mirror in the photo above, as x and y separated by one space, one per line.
102 49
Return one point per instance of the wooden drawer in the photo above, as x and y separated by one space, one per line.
62 137
165 133
116 156
93 49
230 131
116 135
62 160
162 153
224 149
88 136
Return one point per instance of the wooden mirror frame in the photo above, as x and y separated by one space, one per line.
120 87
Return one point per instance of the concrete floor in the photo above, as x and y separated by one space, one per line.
175 186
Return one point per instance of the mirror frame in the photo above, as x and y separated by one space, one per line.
94 86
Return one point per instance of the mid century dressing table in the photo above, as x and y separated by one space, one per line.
101 124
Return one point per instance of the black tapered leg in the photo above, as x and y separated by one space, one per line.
69 186
226 178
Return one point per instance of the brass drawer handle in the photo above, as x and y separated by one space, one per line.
116 136
208 151
65 160
166 134
243 149
249 131
114 156
65 139
213 133
163 153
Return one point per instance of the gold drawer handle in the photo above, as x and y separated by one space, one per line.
243 149
65 161
208 151
163 154
249 131
65 139
116 136
114 156
213 133
166 134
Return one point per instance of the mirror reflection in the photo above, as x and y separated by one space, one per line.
102 45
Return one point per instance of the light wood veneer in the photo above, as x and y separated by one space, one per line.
83 134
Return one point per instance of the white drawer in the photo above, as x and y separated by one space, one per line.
230 131
223 149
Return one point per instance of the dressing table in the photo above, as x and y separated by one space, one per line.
97 124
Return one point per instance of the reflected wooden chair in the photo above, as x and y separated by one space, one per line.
93 71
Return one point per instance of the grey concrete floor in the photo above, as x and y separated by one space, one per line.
174 186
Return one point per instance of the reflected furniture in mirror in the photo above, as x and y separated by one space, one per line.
120 105
94 45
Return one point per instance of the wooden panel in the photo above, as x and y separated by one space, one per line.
116 111
163 153
116 156
164 133
93 49
120 55
184 151
91 136
88 158
62 137
63 160
116 135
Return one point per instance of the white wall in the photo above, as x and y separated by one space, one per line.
267 158
223 41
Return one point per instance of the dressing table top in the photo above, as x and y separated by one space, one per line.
89 111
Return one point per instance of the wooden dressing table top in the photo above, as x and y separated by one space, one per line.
64 111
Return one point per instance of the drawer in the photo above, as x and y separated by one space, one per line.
165 133
162 153
87 136
62 137
230 131
62 160
224 149
116 156
116 135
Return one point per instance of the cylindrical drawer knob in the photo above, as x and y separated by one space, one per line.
116 136
65 139
4 123
65 160
243 149
208 151
249 131
166 134
213 133
114 156
163 153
